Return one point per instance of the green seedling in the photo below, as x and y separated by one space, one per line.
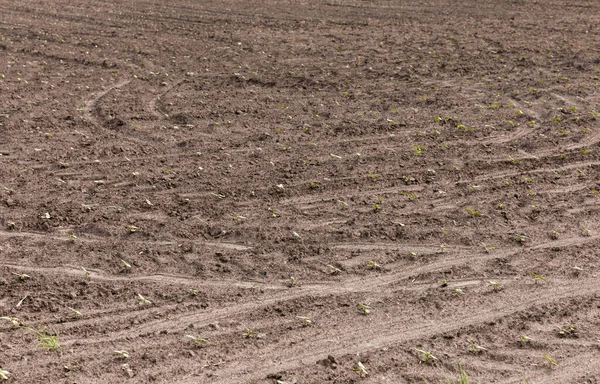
494 284
198 340
473 212
218 195
250 334
274 213
238 218
464 379
87 273
537 277
418 149
342 204
312 184
488 247
476 348
4 374
569 330
292 282
10 225
524 339
412 255
424 356
360 369
16 323
194 292
131 228
144 301
333 270
122 354
458 291
550 361
373 265
373 176
46 340
364 308
22 276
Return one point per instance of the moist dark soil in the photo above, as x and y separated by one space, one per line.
276 191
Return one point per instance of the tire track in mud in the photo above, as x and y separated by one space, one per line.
387 333
352 285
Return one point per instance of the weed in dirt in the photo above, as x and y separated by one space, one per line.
549 361
495 285
473 212
143 301
16 323
567 331
198 340
463 379
4 374
536 277
373 265
22 276
251 334
46 340
360 369
524 339
363 308
131 228
10 225
475 348
425 356
333 270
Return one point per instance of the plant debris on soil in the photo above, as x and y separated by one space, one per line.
328 191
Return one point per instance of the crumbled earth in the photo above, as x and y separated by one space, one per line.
276 191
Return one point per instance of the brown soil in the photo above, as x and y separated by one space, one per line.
245 164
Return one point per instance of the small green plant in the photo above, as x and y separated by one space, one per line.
425 356
10 225
495 285
198 340
475 348
373 265
238 218
473 212
550 361
131 228
373 176
342 204
537 277
46 340
567 331
250 334
144 301
360 369
16 323
4 374
463 379
418 149
363 308
22 276
524 339
333 270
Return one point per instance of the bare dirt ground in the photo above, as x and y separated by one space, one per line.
260 174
